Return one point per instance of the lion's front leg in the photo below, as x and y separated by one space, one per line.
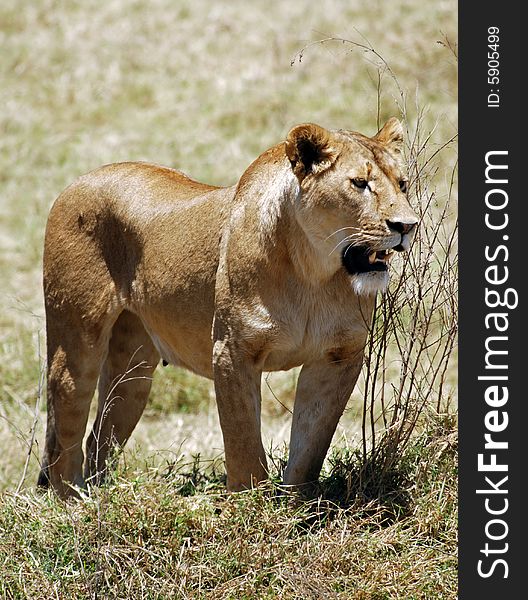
237 387
323 390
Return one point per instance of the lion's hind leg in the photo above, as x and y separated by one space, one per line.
124 387
76 350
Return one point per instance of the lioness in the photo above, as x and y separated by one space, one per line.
142 263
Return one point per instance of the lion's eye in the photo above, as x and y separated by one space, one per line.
360 183
403 186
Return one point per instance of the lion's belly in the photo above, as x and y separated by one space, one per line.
196 359
182 342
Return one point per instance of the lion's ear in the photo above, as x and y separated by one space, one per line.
391 135
309 149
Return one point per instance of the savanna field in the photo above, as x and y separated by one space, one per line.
205 87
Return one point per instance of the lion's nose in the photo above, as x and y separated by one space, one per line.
402 225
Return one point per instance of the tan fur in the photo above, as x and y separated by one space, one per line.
143 263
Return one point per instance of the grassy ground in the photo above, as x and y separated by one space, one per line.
205 87
175 533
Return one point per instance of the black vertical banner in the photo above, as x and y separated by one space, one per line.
493 404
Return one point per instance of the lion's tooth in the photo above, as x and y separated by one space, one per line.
372 258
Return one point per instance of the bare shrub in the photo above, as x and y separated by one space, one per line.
410 353
410 369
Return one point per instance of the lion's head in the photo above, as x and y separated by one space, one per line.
353 199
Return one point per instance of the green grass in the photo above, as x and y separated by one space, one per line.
206 87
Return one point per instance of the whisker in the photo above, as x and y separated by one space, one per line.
342 229
337 246
347 248
355 239
348 240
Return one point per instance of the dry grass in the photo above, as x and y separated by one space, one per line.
206 87
143 536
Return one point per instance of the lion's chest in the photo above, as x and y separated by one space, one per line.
309 332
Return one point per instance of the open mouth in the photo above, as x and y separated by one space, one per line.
360 259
